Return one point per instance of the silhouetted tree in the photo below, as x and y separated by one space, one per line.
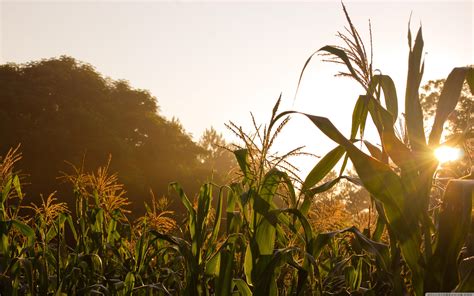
61 109
218 156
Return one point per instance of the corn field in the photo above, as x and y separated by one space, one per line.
253 235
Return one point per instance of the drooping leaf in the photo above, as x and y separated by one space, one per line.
242 159
331 50
447 102
390 93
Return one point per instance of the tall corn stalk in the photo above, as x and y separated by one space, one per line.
399 175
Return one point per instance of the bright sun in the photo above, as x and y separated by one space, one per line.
446 154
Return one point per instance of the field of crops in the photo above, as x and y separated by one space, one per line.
253 235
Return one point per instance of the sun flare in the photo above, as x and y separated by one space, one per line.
447 154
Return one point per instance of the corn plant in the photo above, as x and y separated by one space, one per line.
399 175
16 237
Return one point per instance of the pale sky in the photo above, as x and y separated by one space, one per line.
211 62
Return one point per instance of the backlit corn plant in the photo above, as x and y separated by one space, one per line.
255 236
16 237
399 175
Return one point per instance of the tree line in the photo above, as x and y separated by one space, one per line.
67 116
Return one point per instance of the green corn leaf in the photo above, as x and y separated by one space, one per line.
224 280
217 219
323 167
242 287
390 93
242 159
380 250
387 187
25 230
193 231
395 148
359 117
234 218
413 112
265 237
270 184
309 242
379 228
204 203
447 102
324 187
59 223
183 246
184 199
453 229
291 189
6 190
248 264
129 282
111 231
373 150
213 264
17 185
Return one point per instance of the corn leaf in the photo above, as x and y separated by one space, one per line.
224 280
454 224
447 102
359 117
323 167
25 230
413 112
242 159
390 93
387 187
242 287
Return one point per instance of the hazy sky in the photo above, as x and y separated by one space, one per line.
211 62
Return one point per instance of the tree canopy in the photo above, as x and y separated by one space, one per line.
61 110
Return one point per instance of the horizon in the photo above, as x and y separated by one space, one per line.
214 62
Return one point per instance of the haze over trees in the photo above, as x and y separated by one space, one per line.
64 110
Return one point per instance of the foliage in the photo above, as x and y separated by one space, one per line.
66 110
253 236
218 156
399 175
